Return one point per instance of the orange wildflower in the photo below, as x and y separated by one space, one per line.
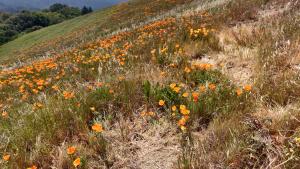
40 87
55 87
187 70
21 89
185 111
77 162
212 86
68 95
40 82
195 96
6 157
207 66
120 78
202 88
186 117
183 128
239 92
97 127
176 89
99 84
33 167
161 102
173 85
89 87
35 91
151 113
185 94
71 150
37 105
181 107
182 122
174 108
143 114
248 88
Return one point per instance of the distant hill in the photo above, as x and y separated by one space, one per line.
16 5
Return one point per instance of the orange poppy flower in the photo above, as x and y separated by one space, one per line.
161 102
77 162
71 150
212 86
195 96
185 94
183 128
185 111
151 113
68 95
174 108
187 70
173 85
6 157
248 87
176 89
33 167
239 92
182 122
202 88
97 127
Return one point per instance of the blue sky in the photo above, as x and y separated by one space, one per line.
45 3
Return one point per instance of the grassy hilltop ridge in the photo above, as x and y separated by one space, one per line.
51 34
185 84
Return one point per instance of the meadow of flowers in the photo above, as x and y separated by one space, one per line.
75 96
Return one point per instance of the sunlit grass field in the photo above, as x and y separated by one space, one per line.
56 32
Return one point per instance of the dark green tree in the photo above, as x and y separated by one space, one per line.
13 25
70 12
57 7
86 10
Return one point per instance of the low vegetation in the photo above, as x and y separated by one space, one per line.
94 104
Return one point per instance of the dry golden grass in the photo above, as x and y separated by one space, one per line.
213 88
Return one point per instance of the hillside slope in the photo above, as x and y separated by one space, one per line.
158 84
83 28
44 37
